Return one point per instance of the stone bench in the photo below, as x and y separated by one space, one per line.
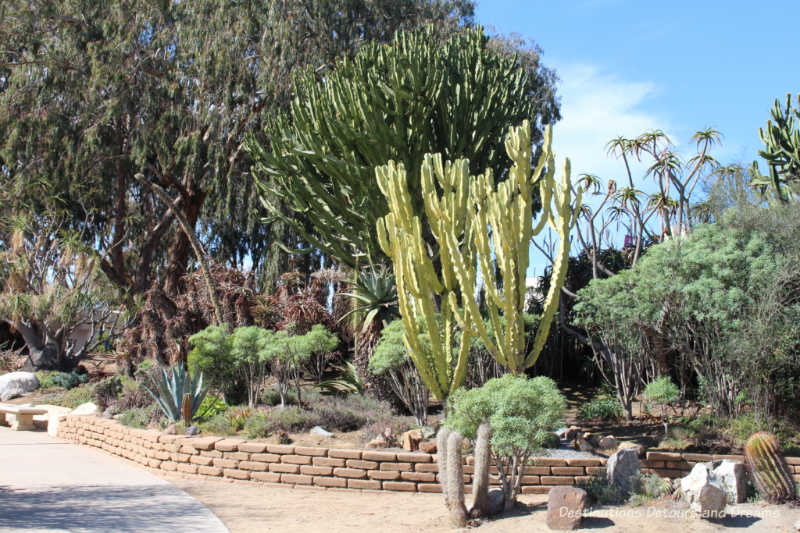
20 417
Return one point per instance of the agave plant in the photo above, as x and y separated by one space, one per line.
347 382
171 387
375 295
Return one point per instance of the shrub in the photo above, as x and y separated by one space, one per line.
139 417
47 378
219 424
599 491
77 396
106 391
258 426
272 397
391 359
601 407
69 380
349 413
649 487
292 419
520 411
210 407
132 395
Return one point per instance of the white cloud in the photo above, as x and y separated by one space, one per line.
596 107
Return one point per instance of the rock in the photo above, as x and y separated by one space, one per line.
732 478
411 439
565 506
710 502
640 449
608 443
321 432
171 429
699 477
377 442
496 502
108 413
551 441
191 431
797 525
16 384
86 409
583 445
572 432
621 467
427 446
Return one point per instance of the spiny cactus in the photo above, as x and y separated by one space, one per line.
455 480
768 469
480 477
782 150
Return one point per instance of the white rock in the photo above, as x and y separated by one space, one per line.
731 476
797 525
620 467
16 384
699 477
85 409
322 432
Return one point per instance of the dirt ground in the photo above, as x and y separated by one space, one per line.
250 508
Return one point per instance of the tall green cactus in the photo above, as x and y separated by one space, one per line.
781 140
472 218
502 235
768 469
420 289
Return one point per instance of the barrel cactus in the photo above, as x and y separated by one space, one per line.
768 469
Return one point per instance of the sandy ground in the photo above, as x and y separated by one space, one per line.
246 507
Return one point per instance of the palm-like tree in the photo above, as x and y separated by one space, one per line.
374 297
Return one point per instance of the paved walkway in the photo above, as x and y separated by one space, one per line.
50 485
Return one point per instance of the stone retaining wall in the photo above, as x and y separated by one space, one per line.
239 459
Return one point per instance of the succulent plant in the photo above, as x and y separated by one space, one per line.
768 469
170 388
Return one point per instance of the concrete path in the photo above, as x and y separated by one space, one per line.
50 485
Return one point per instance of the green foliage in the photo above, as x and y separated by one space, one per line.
170 388
106 391
348 413
139 417
375 296
390 103
210 407
662 390
599 491
77 396
69 380
520 411
719 297
212 356
646 487
603 407
47 378
390 352
347 381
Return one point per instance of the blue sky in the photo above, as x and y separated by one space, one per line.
627 66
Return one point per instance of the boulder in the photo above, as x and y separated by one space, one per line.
621 467
16 384
377 442
583 445
572 432
732 478
171 429
703 491
608 443
427 446
565 507
86 409
710 502
191 431
410 439
640 449
321 432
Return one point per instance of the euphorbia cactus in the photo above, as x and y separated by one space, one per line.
768 469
